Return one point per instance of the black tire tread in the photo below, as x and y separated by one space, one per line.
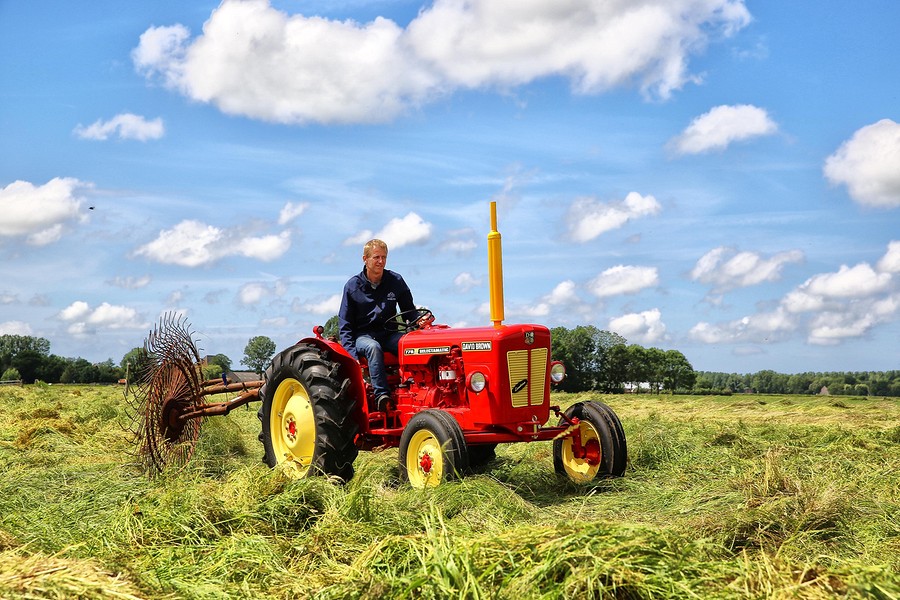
447 431
612 438
335 449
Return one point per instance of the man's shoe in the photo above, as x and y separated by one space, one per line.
383 402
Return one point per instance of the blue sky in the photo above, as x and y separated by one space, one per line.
714 176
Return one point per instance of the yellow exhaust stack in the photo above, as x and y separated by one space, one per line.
495 270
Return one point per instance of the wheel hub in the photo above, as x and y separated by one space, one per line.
593 453
172 425
425 463
290 427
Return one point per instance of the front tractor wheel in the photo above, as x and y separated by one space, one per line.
432 449
305 415
601 449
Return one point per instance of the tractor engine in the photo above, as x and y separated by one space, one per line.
436 380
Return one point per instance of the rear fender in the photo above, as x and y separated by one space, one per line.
351 371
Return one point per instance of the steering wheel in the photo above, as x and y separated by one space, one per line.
410 320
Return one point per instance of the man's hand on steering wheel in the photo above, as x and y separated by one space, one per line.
410 320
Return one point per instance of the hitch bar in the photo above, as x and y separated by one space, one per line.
249 393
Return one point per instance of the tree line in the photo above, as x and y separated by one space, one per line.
603 361
595 359
838 383
28 359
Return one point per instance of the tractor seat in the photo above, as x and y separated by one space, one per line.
390 359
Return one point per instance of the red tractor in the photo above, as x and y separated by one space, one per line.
457 393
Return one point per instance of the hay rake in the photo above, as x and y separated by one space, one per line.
166 397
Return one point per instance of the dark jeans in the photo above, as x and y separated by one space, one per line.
372 346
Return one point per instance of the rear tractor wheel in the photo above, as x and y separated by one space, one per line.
602 450
432 449
306 420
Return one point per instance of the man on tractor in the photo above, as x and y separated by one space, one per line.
370 299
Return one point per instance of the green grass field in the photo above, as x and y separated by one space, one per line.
725 497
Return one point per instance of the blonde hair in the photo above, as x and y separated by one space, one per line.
371 245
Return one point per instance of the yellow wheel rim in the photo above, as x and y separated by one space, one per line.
424 460
292 427
582 469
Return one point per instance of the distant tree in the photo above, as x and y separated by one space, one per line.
258 353
799 383
131 358
135 363
575 348
655 368
331 328
28 363
51 368
638 365
223 361
605 342
677 371
212 371
12 345
107 371
618 367
584 351
11 374
764 382
80 371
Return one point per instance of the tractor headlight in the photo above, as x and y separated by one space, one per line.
477 381
557 372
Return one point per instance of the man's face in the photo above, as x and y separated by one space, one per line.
375 263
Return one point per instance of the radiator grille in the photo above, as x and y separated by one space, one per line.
527 376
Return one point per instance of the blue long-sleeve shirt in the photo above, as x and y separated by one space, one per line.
365 308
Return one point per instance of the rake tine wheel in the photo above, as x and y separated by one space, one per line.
165 383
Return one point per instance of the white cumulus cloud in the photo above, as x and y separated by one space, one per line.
411 229
15 328
459 241
291 211
644 327
854 319
252 293
40 213
759 328
398 232
83 319
726 268
849 282
562 296
193 244
722 125
588 218
324 306
465 282
869 165
254 60
126 126
828 307
890 262
623 279
255 292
